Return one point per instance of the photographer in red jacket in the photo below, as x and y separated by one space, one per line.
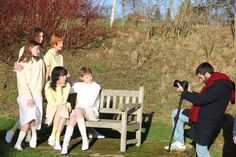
207 110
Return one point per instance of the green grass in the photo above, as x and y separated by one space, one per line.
156 139
155 135
10 152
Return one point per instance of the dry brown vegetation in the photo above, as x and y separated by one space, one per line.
129 60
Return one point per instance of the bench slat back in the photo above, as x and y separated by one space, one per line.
112 99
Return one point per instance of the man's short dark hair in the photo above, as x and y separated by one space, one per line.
204 67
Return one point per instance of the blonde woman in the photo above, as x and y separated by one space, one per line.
36 35
30 82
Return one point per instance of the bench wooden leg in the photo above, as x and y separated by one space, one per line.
139 131
138 137
123 136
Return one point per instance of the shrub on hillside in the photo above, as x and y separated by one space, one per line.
72 18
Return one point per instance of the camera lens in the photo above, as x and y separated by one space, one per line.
183 84
176 83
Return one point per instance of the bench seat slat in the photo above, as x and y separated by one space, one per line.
114 124
104 123
110 110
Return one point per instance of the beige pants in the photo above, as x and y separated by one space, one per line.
90 114
51 112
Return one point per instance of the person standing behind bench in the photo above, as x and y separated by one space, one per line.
53 57
30 82
36 35
87 105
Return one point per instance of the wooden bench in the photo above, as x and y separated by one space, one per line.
127 107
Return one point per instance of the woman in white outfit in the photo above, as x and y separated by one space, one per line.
36 35
30 82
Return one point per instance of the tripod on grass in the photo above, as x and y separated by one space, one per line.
176 120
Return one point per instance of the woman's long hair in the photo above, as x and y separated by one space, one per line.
34 34
56 73
27 54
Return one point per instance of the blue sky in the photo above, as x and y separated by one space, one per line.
164 4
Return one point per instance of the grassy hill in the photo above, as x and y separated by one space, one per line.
127 60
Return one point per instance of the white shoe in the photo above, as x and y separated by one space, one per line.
57 145
178 146
28 138
94 134
33 142
85 144
64 150
18 147
51 141
9 136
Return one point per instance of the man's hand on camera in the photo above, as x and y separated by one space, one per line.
180 88
189 88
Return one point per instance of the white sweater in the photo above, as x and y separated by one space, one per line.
87 94
31 80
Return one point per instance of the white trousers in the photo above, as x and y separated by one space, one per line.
91 113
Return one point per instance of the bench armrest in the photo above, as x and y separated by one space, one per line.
129 107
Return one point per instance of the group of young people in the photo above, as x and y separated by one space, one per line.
38 75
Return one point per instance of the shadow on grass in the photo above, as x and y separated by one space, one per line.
4 147
229 148
45 132
109 133
42 135
5 124
147 121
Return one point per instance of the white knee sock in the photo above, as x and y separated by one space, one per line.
33 129
82 129
67 137
20 137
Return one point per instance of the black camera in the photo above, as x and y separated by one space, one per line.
183 84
